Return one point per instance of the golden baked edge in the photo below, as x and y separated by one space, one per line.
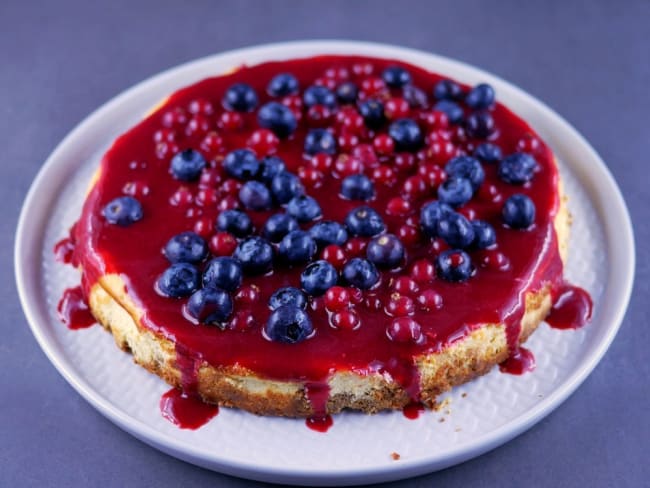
234 386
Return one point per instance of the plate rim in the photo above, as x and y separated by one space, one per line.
617 293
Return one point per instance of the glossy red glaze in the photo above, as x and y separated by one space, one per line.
73 309
571 309
413 410
186 411
520 361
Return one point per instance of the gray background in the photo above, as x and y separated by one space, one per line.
61 60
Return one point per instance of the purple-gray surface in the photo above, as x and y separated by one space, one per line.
587 60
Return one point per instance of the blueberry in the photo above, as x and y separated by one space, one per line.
278 118
484 235
456 230
279 225
466 167
304 208
360 273
365 222
328 232
372 112
481 96
447 90
297 247
255 195
407 135
242 164
288 324
414 96
518 211
269 167
210 305
122 211
288 296
186 247
223 272
396 76
454 265
187 165
320 141
179 280
357 187
455 191
282 84
480 125
518 168
255 254
240 97
236 222
318 277
488 153
347 92
452 109
385 251
319 95
431 214
286 186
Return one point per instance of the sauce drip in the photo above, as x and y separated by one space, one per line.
520 361
412 410
572 308
186 411
73 309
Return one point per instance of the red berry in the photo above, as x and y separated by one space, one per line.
334 255
347 141
489 192
350 121
409 234
247 294
404 329
414 187
459 136
294 102
222 244
136 188
337 298
441 152
404 162
207 197
181 197
321 162
468 211
383 175
230 187
210 178
423 271
435 120
396 108
492 259
201 106
356 295
166 150
329 83
164 135
383 144
440 135
529 144
400 306
198 125
229 202
438 245
337 73
373 86
429 300
263 142
310 177
398 206
356 247
405 286
203 227
346 319
241 320
366 154
231 121
212 144
346 165
319 116
176 117
362 69
432 174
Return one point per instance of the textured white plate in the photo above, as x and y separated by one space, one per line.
357 449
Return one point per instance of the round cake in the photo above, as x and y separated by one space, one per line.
338 232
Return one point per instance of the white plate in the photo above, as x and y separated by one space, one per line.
357 449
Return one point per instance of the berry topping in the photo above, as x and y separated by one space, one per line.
179 280
286 186
488 153
236 222
400 305
186 247
255 196
319 95
431 214
346 319
406 134
318 277
304 208
429 300
297 247
337 298
360 273
452 109
385 251
282 84
222 244
357 187
347 92
455 191
372 112
454 265
320 141
255 254
122 211
364 222
518 168
414 96
288 324
288 296
242 164
240 97
187 165
518 211
223 272
328 232
278 118
456 230
447 90
279 225
405 330
209 306
396 76
481 96
270 166
480 125
466 167
335 255
484 235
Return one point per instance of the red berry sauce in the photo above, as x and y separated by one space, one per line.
73 309
186 411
